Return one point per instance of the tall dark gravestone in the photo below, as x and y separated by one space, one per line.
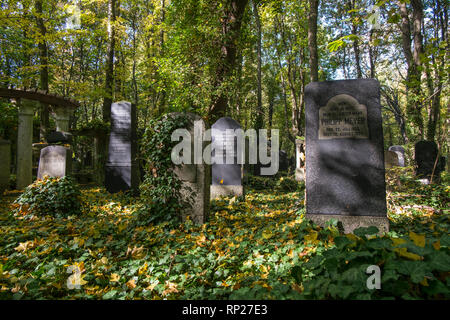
344 154
121 170
425 156
226 177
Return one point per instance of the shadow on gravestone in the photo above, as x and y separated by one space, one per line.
344 154
226 177
121 169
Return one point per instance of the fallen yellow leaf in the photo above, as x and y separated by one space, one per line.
409 255
418 239
131 284
114 277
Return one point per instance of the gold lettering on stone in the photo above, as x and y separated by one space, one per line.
343 117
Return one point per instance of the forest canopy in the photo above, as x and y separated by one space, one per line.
247 59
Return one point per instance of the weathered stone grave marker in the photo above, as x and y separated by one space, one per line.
390 159
196 176
55 161
400 151
121 170
226 177
344 154
299 160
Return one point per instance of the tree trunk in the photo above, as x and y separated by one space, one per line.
43 69
109 79
231 27
413 78
371 55
312 40
259 110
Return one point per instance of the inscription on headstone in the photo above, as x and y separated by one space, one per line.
344 154
343 117
55 161
226 177
121 172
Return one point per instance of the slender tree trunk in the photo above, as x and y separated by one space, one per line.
413 79
43 69
356 49
109 79
162 103
371 55
259 109
231 27
312 40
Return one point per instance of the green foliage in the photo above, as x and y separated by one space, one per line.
411 267
160 189
257 248
287 184
98 125
57 197
260 183
8 120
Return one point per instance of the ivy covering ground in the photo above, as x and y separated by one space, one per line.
258 248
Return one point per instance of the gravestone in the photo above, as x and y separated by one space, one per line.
226 177
300 160
400 151
196 176
390 159
55 161
425 155
121 169
5 162
344 154
284 162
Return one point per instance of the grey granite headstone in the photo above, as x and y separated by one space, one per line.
5 160
400 151
344 154
284 162
55 161
195 177
300 160
121 170
226 177
425 155
390 159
